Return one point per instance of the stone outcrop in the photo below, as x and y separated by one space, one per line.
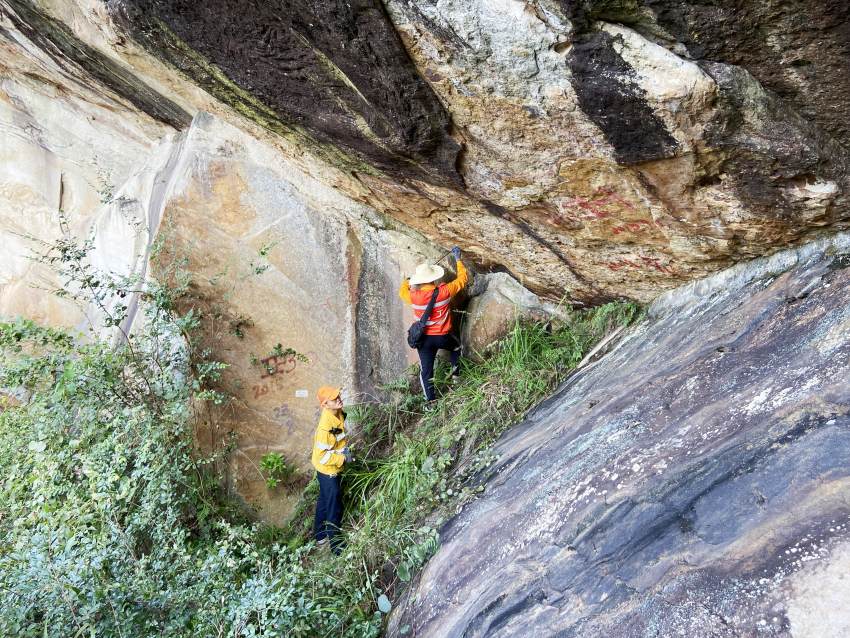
591 150
690 482
600 149
636 164
497 302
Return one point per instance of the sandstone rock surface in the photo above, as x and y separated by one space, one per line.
691 482
597 149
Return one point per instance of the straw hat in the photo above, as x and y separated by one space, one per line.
426 273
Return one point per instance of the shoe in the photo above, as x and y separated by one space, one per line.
322 542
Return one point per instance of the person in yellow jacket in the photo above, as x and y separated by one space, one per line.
417 291
330 454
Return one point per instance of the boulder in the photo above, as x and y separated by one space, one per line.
691 482
497 302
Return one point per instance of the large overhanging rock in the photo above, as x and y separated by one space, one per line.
691 482
596 149
635 164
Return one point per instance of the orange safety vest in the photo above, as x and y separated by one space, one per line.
440 320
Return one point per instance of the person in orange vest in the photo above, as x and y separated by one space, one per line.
330 454
417 291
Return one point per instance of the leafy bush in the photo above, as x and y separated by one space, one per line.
111 522
276 469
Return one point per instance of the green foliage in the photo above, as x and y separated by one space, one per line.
238 325
111 521
276 469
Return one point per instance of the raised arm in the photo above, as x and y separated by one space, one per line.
459 282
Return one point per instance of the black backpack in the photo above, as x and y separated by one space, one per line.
416 332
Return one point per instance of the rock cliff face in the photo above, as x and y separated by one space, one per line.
596 148
590 149
692 482
217 196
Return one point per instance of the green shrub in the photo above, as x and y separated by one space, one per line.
111 522
276 469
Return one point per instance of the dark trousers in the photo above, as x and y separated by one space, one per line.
328 510
427 354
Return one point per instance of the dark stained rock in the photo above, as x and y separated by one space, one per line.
80 60
771 154
335 68
692 482
797 49
780 69
606 90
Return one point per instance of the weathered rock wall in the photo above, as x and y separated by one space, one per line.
598 148
69 145
325 285
592 150
637 163
691 482
217 196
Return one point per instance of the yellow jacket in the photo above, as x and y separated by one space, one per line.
329 443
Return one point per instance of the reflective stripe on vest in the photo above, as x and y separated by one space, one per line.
440 317
439 304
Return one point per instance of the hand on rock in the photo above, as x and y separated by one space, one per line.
456 253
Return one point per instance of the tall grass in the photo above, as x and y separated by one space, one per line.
413 463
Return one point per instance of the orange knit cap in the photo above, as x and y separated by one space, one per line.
327 393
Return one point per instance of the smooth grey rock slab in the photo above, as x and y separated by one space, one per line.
693 482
